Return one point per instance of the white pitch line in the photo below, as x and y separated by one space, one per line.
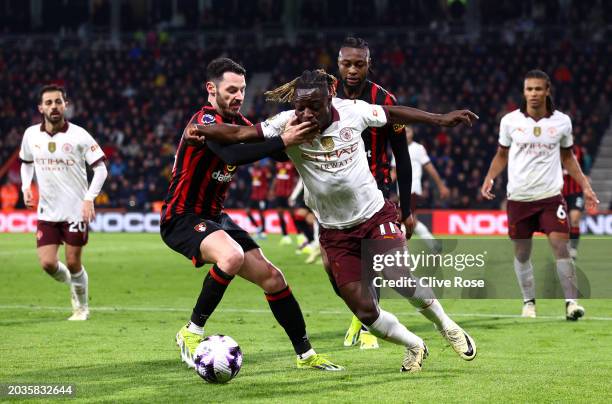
260 311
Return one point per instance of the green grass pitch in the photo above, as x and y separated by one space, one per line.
141 293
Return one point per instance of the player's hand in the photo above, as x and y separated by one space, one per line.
297 133
88 211
193 136
486 188
409 224
28 199
591 201
454 118
444 192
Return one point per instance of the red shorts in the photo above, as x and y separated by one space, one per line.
546 216
71 233
343 246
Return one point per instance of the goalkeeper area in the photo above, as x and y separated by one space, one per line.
141 293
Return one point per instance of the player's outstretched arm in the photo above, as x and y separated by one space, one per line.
405 115
245 153
497 166
568 159
224 133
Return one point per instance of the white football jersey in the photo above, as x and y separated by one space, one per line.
534 161
59 162
418 158
339 186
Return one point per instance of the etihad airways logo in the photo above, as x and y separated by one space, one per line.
55 162
332 155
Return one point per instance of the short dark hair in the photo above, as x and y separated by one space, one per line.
49 88
354 42
216 68
539 74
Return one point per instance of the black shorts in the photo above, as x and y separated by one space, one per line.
281 202
255 204
575 202
184 234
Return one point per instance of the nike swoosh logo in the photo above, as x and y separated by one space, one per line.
470 351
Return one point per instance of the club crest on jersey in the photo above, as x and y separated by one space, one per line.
537 131
67 148
200 227
207 119
327 143
230 168
398 128
552 131
346 134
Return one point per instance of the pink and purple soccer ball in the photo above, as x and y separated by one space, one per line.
218 359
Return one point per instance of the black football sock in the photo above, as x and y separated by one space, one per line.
287 312
574 236
263 220
281 219
252 219
213 288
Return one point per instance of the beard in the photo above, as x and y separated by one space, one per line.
224 106
53 119
352 87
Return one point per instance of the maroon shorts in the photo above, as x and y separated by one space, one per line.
343 246
546 215
71 233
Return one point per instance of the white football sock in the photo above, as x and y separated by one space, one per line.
79 283
524 275
423 232
388 327
567 276
62 274
194 328
307 354
432 310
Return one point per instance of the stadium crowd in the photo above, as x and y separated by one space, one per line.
136 97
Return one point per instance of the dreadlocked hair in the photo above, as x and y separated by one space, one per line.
309 79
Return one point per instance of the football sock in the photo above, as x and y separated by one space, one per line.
262 218
79 281
283 225
252 219
61 274
432 310
194 328
307 354
300 225
287 312
423 232
567 276
574 236
214 286
524 275
388 327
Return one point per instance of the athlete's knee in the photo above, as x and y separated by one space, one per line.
560 249
48 265
232 261
73 264
367 314
273 281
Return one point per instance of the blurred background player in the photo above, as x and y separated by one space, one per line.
260 179
534 141
282 186
59 152
572 192
194 224
420 160
306 223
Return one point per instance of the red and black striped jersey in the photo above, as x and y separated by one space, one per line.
377 139
570 185
200 179
285 179
259 182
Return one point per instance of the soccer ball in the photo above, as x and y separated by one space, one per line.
218 359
